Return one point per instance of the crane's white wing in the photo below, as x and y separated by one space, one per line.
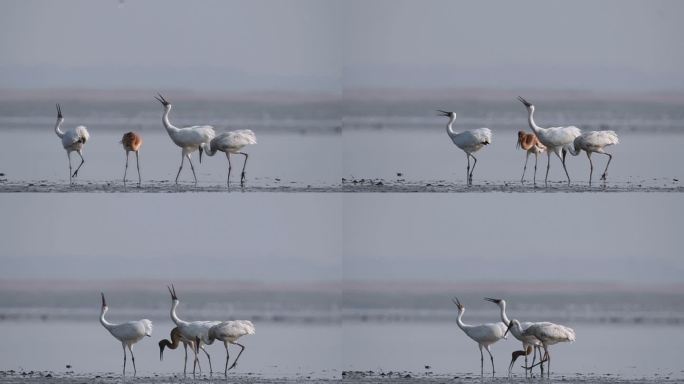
196 135
551 333
488 333
195 329
233 140
131 331
75 135
595 140
558 136
232 329
472 141
483 135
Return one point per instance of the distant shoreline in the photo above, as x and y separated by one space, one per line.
378 94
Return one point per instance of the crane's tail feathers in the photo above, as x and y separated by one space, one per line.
148 327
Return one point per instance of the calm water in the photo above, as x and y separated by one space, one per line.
300 143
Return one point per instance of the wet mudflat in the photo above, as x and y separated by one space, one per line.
663 185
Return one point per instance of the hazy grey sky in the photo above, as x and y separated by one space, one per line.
303 45
556 44
224 44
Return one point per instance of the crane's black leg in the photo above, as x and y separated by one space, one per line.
135 371
137 164
69 158
491 358
225 370
481 361
181 166
591 167
527 157
79 166
211 370
238 356
564 167
548 166
242 178
230 167
193 168
468 172
472 169
125 168
185 366
124 368
605 172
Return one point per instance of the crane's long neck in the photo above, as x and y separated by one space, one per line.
170 128
459 320
206 147
574 150
174 316
504 318
530 120
450 126
104 321
58 125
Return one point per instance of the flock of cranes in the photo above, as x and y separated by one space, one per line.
198 334
200 138
203 138
193 334
533 335
559 140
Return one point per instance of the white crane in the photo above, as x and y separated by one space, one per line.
484 334
127 333
548 334
229 332
73 140
176 339
556 139
469 141
191 330
132 141
230 143
188 138
528 341
531 145
594 141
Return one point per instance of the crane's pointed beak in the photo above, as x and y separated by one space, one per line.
59 112
443 113
527 103
172 292
104 303
162 100
495 301
161 351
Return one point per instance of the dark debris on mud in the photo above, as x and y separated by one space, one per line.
347 185
45 377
